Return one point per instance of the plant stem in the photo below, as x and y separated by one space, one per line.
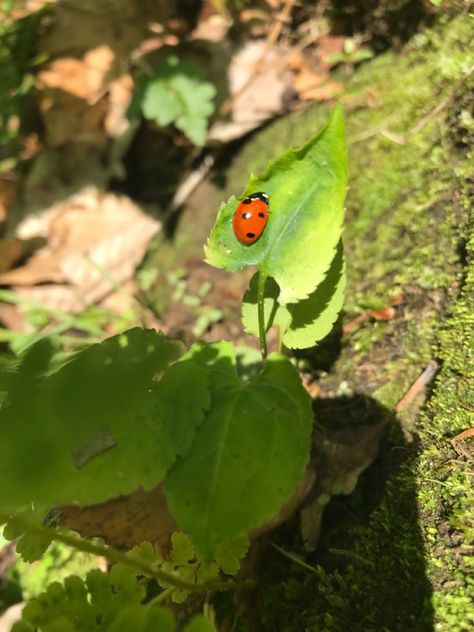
113 555
261 313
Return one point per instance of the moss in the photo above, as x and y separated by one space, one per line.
405 533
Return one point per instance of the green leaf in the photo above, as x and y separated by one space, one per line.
101 602
178 94
161 104
200 624
100 426
229 554
306 187
249 455
305 323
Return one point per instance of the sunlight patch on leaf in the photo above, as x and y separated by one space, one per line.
306 188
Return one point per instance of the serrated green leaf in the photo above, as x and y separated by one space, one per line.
161 104
229 554
305 323
108 603
200 624
306 188
100 426
182 550
194 127
249 455
178 94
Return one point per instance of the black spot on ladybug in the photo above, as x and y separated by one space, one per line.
246 215
261 214
250 235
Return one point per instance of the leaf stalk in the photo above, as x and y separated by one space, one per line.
261 313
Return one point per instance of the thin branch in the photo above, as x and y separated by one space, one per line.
136 563
418 385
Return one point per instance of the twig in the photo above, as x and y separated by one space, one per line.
442 104
293 557
189 184
113 555
458 442
418 385
465 434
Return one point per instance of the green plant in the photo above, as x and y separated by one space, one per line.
174 92
17 59
351 53
137 410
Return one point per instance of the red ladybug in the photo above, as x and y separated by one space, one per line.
250 218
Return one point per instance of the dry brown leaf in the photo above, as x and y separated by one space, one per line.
119 95
126 521
312 85
329 45
263 98
84 78
213 29
95 241
12 318
12 250
63 298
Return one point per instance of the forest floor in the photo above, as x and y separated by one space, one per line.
396 554
393 523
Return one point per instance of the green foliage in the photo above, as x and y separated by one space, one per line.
17 58
102 601
100 426
103 402
53 324
301 324
186 563
250 453
176 93
59 562
351 53
307 188
135 411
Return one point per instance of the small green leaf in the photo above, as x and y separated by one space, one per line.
305 323
161 104
200 624
229 554
178 94
249 454
306 188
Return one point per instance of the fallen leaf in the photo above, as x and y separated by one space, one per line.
255 97
126 521
311 85
213 29
83 78
94 242
12 250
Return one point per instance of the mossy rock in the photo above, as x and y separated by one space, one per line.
396 555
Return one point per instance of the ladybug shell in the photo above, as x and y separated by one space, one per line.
250 218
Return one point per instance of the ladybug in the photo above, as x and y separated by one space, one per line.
250 218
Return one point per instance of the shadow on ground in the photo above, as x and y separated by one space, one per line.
369 570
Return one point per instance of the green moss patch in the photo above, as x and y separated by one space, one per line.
396 555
